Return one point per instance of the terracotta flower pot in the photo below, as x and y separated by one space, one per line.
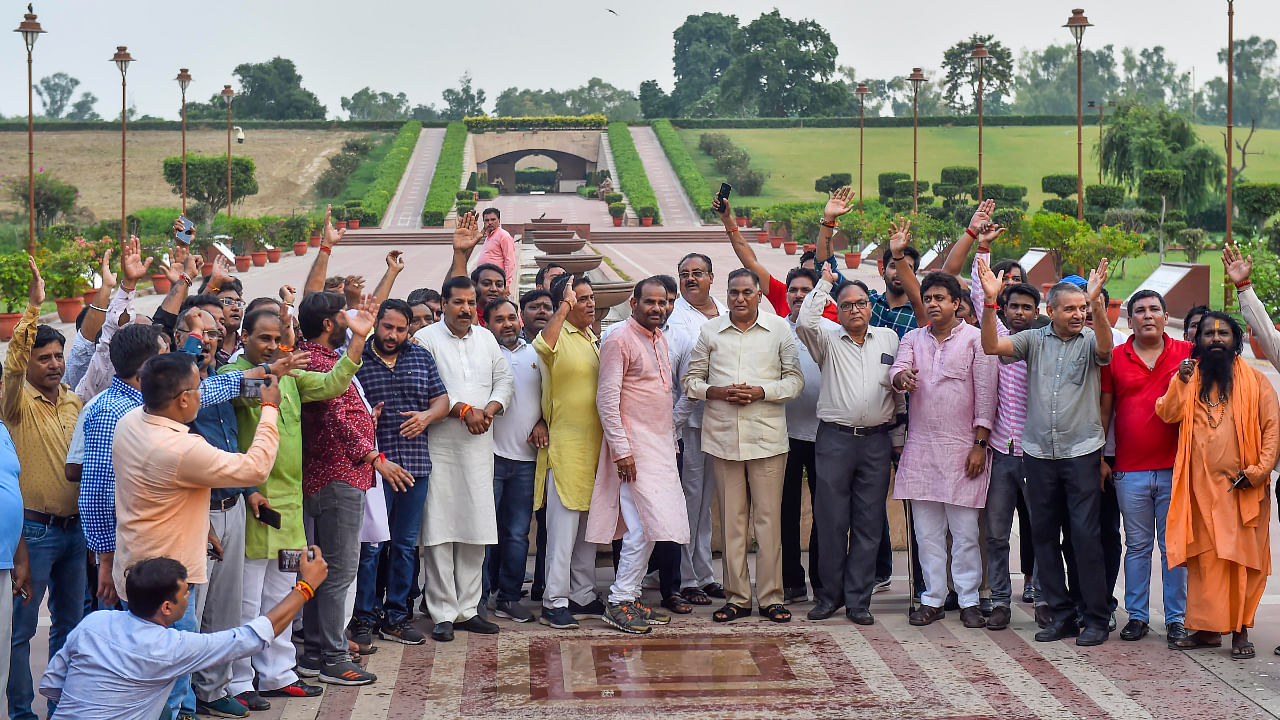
789 247
315 240
762 237
68 309
340 225
775 241
1113 310
617 222
300 249
742 222
161 283
273 255
810 246
90 295
1256 346
243 262
9 321
646 221
259 258
353 224
852 260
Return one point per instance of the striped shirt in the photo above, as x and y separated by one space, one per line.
1011 414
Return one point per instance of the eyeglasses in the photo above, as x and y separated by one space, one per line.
695 274
855 305
232 302
180 393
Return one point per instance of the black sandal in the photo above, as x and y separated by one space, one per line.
1244 651
730 612
776 612
695 596
677 604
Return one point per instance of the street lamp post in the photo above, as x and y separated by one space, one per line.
862 91
915 78
1231 83
980 55
228 94
184 81
1077 24
1100 106
122 58
30 30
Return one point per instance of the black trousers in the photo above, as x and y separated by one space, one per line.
799 461
1112 549
1065 497
849 513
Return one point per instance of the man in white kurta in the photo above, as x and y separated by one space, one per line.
459 519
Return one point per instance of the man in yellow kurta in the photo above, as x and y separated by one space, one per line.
570 358
1219 511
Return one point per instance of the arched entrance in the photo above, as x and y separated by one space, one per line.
572 153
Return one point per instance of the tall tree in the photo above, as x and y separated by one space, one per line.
1046 79
928 102
598 96
1152 79
1257 87
876 100
207 182
82 109
782 68
426 113
463 101
654 101
55 91
1140 138
527 102
960 84
702 54
365 104
273 91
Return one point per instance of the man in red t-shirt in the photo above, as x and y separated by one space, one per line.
1138 375
775 290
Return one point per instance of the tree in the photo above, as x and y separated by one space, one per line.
960 85
654 101
55 91
463 101
268 91
1046 79
1139 138
1150 79
426 113
1163 184
516 102
782 68
1257 87
82 109
53 197
207 180
365 104
929 99
599 97
702 54
1258 202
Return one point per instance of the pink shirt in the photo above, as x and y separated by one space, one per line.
1006 436
500 249
956 394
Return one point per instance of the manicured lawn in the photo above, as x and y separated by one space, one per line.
1137 269
360 181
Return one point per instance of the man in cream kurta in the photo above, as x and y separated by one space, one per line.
459 519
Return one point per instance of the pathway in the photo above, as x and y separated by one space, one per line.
673 204
405 209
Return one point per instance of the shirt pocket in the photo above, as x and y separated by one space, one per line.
1076 368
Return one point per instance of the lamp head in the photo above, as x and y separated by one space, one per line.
228 94
1077 24
184 80
29 28
916 77
122 58
862 89
980 54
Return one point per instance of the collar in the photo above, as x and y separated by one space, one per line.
123 388
521 344
1129 348
651 334
589 334
728 323
959 327
35 393
161 421
313 347
866 336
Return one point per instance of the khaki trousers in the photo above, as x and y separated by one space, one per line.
740 485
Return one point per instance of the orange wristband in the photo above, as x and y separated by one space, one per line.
271 404
326 250
307 591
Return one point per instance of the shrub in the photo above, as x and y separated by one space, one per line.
15 280
1104 197
617 209
613 197
1257 202
53 197
1059 205
1004 193
876 122
904 188
464 195
149 221
344 163
886 181
961 177
245 234
631 176
444 183
1062 185
587 191
357 146
646 211
746 180
831 183
390 170
465 206
715 144
551 122
1086 249
487 192
471 181
536 176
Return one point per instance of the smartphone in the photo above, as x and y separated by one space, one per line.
252 387
718 203
269 517
184 235
290 560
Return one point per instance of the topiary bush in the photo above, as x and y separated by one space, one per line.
613 197
1062 185
831 183
1059 205
632 179
448 174
903 188
617 209
959 176
487 192
885 182
1104 197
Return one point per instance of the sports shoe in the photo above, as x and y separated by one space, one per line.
651 616
402 632
297 688
882 584
627 618
558 618
1029 593
595 608
346 673
512 610
252 700
308 667
361 633
225 707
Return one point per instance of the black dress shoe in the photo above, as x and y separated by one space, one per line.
442 632
860 617
1176 631
1133 630
822 611
798 593
477 624
1044 616
1091 636
1058 630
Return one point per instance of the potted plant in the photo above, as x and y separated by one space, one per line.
852 259
740 215
314 227
339 217
810 246
15 284
64 272
294 230
354 214
789 247
244 239
616 211
646 213
775 241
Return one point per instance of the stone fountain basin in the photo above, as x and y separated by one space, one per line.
608 294
541 234
559 247
576 264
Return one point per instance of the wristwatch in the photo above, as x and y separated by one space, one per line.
981 443
266 368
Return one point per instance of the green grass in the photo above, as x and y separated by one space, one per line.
388 172
362 179
632 179
1020 155
447 178
1139 268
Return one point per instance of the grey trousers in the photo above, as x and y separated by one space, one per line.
337 512
6 619
699 482
853 481
218 607
1007 480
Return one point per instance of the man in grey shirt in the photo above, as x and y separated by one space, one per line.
1062 444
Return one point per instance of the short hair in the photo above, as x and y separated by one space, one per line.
541 277
260 302
133 346
700 256
1021 289
1197 310
201 300
1143 295
492 211
946 281
457 282
493 305
1060 289
794 273
400 306
1106 296
422 296
475 274
335 281
252 319
151 583
673 287
561 282
45 334
638 291
907 252
536 294
1004 266
1237 332
235 284
838 290
162 376
743 272
315 309
808 255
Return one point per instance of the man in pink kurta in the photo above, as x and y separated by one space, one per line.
500 248
637 494
944 469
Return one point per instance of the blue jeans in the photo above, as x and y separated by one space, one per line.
513 498
404 517
1144 505
56 556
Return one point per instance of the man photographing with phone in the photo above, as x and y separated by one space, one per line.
121 665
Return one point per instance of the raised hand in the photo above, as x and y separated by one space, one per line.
992 283
132 265
221 275
271 391
570 293
840 203
331 236
36 292
360 323
828 274
108 277
288 362
353 289
982 216
467 235
1097 278
287 293
900 238
720 206
395 261
177 264
1185 369
1237 266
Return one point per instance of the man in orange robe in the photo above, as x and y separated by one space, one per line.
1219 512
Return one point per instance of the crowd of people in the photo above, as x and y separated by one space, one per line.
357 452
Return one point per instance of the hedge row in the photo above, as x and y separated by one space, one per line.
880 122
695 185
631 176
550 122
445 182
375 201
134 125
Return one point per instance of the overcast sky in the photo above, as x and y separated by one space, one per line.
421 48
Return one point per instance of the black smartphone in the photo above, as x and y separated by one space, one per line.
269 517
718 203
290 560
252 387
184 235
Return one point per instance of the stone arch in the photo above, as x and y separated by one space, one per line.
575 152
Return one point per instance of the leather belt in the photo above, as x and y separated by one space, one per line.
224 504
43 518
863 431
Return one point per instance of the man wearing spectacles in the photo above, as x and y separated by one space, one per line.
229 292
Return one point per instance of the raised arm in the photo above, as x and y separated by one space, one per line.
207 466
320 266
19 353
992 343
977 230
898 242
1101 323
93 319
745 254
1240 268
809 321
551 333
395 266
465 238
840 203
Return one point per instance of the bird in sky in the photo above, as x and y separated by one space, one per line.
615 12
